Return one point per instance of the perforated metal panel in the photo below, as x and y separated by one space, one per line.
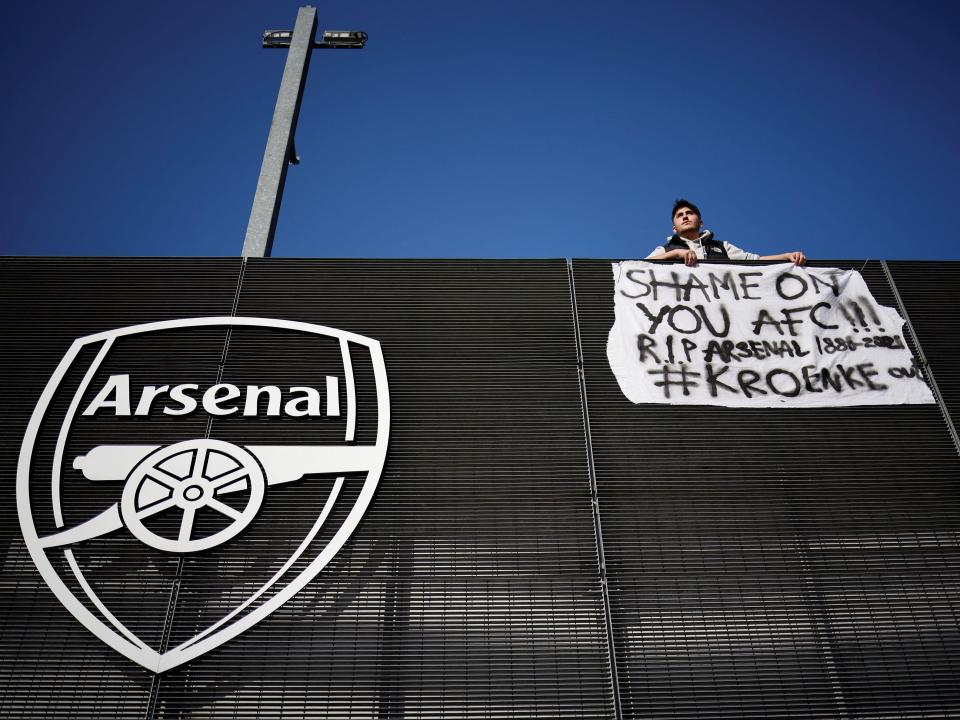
759 563
771 563
51 666
469 589
930 292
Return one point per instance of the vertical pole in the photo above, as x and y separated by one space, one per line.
273 172
922 359
595 502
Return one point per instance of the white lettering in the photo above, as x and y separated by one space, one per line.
147 397
333 396
301 401
187 403
217 394
251 405
310 397
119 387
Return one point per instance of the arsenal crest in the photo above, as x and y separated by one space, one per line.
224 459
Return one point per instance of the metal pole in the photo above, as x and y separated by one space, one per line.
279 151
595 504
922 358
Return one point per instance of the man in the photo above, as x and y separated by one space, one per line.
690 242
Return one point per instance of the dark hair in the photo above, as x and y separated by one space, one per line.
681 203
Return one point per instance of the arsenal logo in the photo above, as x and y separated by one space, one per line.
168 451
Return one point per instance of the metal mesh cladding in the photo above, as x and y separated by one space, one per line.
759 563
470 587
770 563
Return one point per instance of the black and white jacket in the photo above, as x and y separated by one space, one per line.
706 247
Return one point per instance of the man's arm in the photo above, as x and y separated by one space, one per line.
689 257
735 253
797 257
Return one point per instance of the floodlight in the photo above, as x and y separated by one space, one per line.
277 38
355 39
281 151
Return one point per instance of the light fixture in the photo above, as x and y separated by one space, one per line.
354 39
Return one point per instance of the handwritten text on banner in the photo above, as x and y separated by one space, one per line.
757 336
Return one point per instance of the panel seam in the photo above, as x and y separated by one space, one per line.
178 576
594 498
922 357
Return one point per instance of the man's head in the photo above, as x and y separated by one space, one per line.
686 219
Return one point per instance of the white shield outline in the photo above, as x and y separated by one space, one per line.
118 637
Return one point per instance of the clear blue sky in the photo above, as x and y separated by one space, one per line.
485 129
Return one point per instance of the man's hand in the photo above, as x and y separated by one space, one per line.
689 257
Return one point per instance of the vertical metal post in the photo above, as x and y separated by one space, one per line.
922 358
595 502
273 172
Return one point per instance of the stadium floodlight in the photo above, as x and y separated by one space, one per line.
355 39
277 38
280 152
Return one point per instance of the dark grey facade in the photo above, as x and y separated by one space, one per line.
537 546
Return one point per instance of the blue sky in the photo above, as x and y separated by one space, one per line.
485 129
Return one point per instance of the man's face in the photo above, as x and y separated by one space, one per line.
685 220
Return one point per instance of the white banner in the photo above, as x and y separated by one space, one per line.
757 336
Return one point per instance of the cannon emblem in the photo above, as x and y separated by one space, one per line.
191 496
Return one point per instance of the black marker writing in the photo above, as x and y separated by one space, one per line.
794 383
797 282
713 381
765 318
686 320
816 321
760 349
644 345
673 377
834 284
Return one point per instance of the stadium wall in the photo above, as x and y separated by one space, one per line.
537 547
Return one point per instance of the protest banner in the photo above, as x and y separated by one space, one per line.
757 336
